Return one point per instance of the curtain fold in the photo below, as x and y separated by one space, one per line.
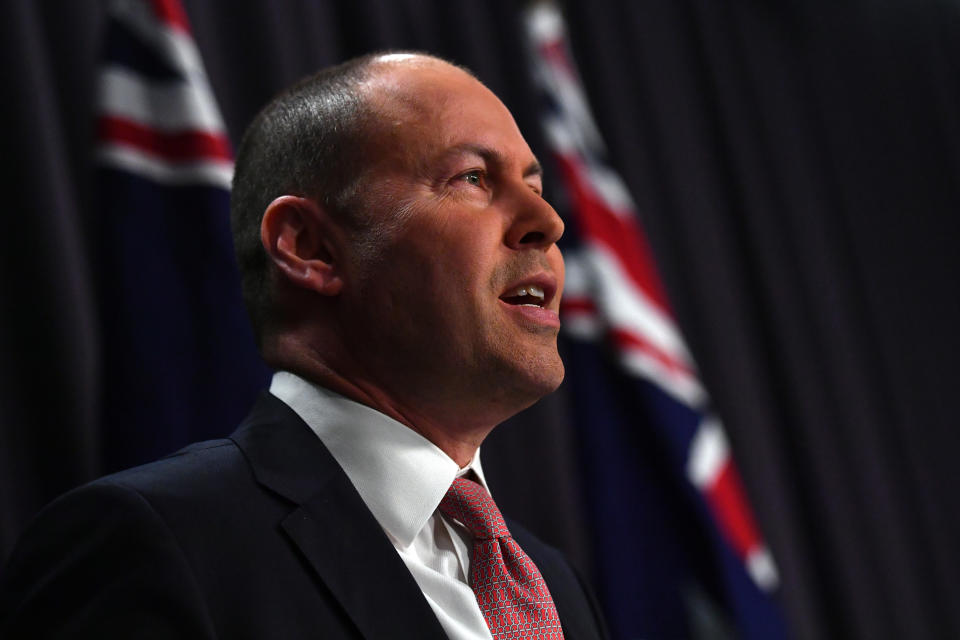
48 340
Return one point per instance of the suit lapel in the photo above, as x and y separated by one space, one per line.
332 527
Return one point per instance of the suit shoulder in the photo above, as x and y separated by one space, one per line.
96 562
199 470
195 455
145 501
173 497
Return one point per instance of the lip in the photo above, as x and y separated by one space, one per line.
533 315
545 315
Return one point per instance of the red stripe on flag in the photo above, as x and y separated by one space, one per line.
171 12
728 503
621 234
631 340
576 304
555 51
179 147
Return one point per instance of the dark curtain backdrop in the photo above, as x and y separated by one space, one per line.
796 165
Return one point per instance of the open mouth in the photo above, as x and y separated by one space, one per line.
528 295
530 301
533 291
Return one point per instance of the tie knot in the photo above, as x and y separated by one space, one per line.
470 504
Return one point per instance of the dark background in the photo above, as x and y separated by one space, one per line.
795 165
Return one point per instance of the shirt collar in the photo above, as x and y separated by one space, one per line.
399 474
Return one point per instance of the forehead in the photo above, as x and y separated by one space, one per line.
432 109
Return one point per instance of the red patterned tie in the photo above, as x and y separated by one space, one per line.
511 592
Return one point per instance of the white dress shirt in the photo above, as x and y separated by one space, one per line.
402 477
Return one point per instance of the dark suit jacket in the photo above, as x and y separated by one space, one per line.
257 536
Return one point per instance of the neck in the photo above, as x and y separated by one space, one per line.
449 430
460 444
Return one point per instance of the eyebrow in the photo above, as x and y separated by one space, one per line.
493 156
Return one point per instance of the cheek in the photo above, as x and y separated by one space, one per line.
426 287
460 256
443 266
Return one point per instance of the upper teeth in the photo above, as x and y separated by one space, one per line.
527 290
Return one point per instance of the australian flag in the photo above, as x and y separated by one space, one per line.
179 360
679 554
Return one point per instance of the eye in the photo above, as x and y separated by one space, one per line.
475 177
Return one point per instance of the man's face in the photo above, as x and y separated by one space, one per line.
455 308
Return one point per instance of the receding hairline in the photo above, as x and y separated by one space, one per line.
384 89
413 58
377 72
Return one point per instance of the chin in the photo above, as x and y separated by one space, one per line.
516 375
553 376
540 378
555 382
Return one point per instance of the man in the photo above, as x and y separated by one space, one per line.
402 274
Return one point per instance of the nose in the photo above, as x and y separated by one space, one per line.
535 224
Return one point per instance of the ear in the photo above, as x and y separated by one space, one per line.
300 238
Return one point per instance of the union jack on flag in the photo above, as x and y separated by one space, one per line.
158 117
613 294
179 362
